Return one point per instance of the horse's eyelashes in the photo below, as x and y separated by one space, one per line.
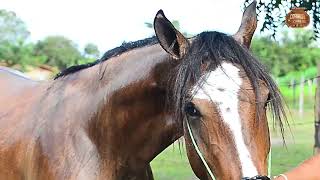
268 100
191 110
205 63
205 57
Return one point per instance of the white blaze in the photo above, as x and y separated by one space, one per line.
222 87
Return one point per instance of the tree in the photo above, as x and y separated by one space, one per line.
21 54
269 53
13 35
317 116
12 29
290 53
273 20
91 51
58 51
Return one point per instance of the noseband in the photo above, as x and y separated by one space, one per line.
256 178
208 168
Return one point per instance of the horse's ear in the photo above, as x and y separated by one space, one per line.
171 40
248 25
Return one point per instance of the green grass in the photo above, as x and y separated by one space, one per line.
173 164
293 98
308 91
299 142
296 75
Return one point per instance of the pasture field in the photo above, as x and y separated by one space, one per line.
172 164
292 97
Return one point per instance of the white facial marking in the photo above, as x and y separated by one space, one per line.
227 77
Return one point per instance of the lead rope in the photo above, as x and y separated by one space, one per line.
270 162
204 161
199 152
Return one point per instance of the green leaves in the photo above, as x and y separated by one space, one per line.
91 51
58 51
13 34
272 20
293 53
12 29
55 51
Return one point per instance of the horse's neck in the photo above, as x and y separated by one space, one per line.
126 116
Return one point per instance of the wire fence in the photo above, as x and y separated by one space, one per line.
313 80
300 94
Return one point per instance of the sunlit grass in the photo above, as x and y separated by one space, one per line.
299 142
172 164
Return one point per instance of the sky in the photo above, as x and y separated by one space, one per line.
108 23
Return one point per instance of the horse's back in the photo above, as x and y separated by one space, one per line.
13 82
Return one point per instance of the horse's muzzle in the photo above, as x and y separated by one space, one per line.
256 178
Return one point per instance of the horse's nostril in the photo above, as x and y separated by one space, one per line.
256 178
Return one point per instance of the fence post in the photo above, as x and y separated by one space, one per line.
317 116
293 86
310 89
301 97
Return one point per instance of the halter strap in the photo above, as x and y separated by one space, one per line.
204 161
270 161
199 152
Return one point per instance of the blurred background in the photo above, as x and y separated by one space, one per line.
43 37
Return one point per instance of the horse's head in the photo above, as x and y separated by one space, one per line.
221 93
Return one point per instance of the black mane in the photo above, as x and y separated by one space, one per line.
111 53
211 49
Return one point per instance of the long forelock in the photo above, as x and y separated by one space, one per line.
211 49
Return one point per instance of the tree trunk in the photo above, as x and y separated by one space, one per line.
317 115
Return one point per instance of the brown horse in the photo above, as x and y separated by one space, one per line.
110 118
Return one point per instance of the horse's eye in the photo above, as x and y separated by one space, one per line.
191 110
268 101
